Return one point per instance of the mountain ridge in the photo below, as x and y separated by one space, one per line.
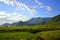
33 21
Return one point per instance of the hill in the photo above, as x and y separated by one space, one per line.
38 20
33 21
54 22
20 23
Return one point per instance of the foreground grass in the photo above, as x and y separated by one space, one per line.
17 36
29 33
49 35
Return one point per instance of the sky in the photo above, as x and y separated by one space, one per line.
23 10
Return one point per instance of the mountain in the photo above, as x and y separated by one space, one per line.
20 23
5 25
14 24
33 21
54 22
37 20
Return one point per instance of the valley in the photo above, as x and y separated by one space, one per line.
21 31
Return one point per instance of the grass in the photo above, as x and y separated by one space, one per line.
47 35
17 35
31 29
50 35
28 33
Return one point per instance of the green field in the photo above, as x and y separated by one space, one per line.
49 35
29 33
17 36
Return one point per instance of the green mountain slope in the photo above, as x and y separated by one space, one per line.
54 22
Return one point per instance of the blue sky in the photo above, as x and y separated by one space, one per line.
23 10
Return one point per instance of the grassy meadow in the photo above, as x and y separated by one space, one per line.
29 33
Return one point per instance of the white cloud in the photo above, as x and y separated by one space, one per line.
2 15
12 17
33 12
17 17
48 8
26 7
8 2
19 5
40 5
